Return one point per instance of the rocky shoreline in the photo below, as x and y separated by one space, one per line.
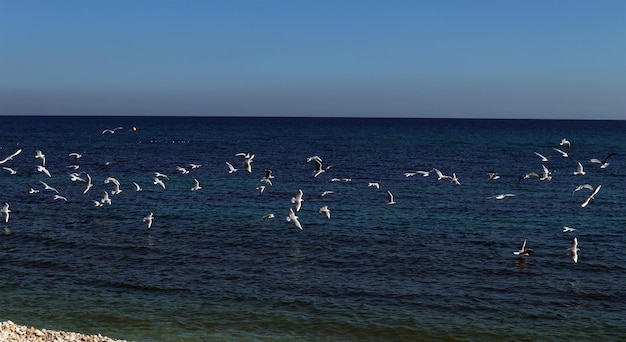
11 332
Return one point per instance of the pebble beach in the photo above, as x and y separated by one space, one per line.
11 332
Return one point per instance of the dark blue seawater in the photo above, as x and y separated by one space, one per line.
438 265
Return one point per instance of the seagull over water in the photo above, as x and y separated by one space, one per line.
10 170
318 165
196 185
501 196
294 219
573 250
373 185
148 219
88 184
11 156
568 229
297 200
565 142
40 155
543 158
390 199
583 186
324 210
591 196
579 170
111 131
5 211
137 187
231 168
158 181
491 176
48 187
44 170
561 152
603 163
523 251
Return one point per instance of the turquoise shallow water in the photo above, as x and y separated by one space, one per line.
438 265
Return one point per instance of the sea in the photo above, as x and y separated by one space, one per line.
438 265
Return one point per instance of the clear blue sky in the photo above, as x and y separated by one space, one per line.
435 58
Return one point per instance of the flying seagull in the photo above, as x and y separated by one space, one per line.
603 163
579 170
294 219
5 211
565 142
523 251
40 155
297 200
231 168
563 153
543 158
390 199
591 196
11 156
573 250
148 219
500 196
324 210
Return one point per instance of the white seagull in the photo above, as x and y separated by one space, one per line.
268 216
454 179
318 165
105 198
583 186
294 219
44 170
297 200
59 197
75 155
158 181
268 177
603 163
563 153
160 175
573 250
568 229
148 219
543 158
40 155
579 170
137 186
373 185
116 185
591 196
247 163
324 210
196 185
231 168
88 184
501 196
10 170
11 156
390 200
48 187
111 131
523 251
440 175
565 142
491 176
182 170
5 211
